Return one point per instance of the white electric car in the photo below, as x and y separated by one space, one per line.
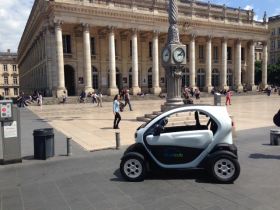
185 138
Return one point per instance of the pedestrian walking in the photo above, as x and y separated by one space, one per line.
228 97
197 94
64 97
40 99
269 89
99 99
82 98
127 100
94 98
116 111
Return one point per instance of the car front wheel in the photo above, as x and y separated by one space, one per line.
225 169
133 168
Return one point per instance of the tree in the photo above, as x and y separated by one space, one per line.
258 72
273 74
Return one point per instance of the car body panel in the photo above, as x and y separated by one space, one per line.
200 141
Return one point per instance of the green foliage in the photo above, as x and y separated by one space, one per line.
273 74
258 72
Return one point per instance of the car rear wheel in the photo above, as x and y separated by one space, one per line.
133 168
225 169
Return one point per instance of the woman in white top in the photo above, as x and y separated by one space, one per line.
116 111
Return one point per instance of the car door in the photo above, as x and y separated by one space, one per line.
181 140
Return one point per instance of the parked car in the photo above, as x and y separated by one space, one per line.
190 137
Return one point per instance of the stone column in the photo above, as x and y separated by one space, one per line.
264 66
192 62
156 89
208 86
223 74
112 90
87 59
238 84
60 60
135 85
252 66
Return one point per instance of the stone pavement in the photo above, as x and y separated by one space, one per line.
92 180
91 126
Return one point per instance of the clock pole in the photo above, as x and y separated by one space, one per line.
173 60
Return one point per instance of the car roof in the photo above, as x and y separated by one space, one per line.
220 113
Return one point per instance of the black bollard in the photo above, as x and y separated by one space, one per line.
118 140
68 143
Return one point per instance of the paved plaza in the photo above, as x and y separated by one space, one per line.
91 180
91 126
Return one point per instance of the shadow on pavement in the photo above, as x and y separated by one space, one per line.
107 128
200 176
30 157
264 156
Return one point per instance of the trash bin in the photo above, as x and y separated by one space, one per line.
217 99
43 143
275 137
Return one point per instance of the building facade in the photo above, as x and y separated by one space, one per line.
106 45
9 81
274 40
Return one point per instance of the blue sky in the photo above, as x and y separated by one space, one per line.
14 14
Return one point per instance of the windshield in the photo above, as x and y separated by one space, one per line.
145 124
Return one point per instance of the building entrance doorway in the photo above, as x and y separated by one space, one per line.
69 78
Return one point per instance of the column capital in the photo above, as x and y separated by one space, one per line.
155 33
111 29
85 26
264 43
224 39
238 41
252 42
134 31
193 36
58 23
209 38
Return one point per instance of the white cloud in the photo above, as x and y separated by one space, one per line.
248 7
13 15
276 12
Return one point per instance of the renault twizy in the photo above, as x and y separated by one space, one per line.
185 138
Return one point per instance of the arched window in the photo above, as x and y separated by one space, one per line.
200 78
215 78
150 78
229 78
185 77
95 78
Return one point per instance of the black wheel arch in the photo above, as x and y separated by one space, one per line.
214 155
140 150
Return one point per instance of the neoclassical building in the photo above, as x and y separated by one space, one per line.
9 80
105 45
274 40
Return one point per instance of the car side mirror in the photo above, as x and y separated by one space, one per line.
158 130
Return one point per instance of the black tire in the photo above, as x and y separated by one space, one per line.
224 169
133 168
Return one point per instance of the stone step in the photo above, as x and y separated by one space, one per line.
151 116
157 113
143 119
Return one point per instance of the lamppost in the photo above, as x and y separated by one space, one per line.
173 60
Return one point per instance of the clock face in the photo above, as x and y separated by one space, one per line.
179 55
165 55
